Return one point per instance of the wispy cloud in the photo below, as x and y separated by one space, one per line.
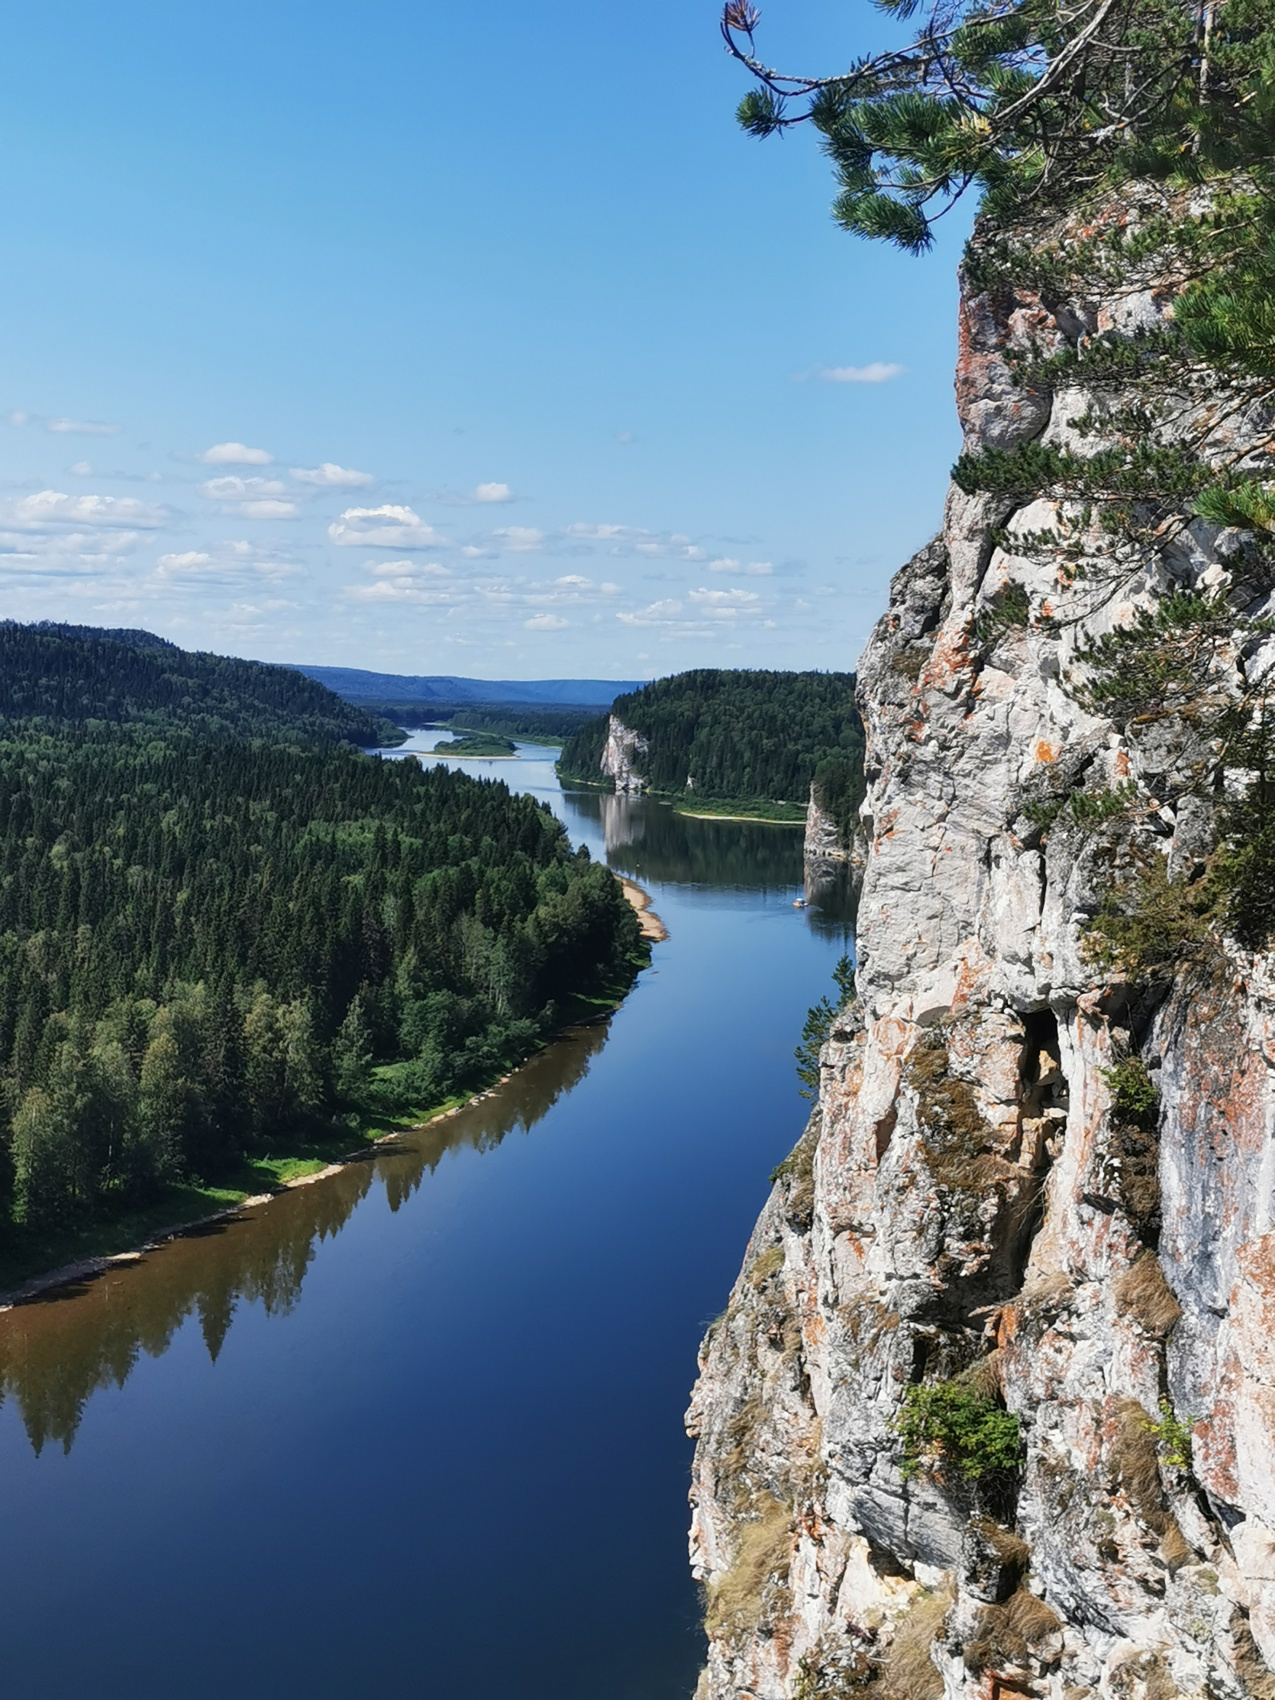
875 372
235 454
754 569
330 476
254 498
635 540
269 508
519 539
388 527
545 623
654 614
224 563
232 488
492 493
80 428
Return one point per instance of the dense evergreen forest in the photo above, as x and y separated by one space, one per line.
211 943
510 720
81 673
740 736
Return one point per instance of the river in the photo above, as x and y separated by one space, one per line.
416 1430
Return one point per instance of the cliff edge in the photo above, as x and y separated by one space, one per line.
991 1411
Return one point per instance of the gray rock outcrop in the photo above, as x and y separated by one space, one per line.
823 841
972 1207
624 749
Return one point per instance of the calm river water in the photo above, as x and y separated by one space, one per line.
416 1430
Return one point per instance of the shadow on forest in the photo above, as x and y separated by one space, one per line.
57 1350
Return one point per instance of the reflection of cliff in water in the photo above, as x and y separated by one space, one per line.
647 840
832 896
58 1350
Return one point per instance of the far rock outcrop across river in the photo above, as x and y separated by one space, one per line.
973 1207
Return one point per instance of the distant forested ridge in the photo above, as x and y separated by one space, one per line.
80 673
211 943
357 684
739 735
509 720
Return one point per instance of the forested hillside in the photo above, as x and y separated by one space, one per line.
738 735
80 673
204 946
214 944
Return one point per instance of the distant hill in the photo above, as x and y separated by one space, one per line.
735 736
356 684
76 674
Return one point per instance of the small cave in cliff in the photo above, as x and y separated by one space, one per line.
1043 1102
1044 1095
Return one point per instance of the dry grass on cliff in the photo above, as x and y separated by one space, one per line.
1006 1634
908 1671
1143 1293
735 1603
768 1263
957 1136
1136 1466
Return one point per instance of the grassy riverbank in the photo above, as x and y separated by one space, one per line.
32 1253
716 808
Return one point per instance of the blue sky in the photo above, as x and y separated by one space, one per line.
449 337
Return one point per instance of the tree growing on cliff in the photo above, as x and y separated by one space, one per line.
1042 108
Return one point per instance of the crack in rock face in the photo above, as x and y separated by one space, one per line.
1032 1202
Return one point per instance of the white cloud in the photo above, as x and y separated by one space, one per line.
603 533
232 488
396 569
17 417
54 509
545 623
573 579
635 540
402 589
754 569
269 509
875 372
80 428
519 539
724 598
330 476
235 454
386 527
67 554
725 604
656 614
191 563
493 493
82 469
226 563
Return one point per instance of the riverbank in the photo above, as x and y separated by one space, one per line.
653 929
86 1253
72 1255
759 820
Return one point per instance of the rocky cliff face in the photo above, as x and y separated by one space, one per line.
624 750
975 1208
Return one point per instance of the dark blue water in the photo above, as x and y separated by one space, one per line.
416 1430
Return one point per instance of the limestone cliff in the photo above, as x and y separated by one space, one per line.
974 1207
624 749
823 841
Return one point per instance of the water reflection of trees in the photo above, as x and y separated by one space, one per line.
58 1350
649 841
